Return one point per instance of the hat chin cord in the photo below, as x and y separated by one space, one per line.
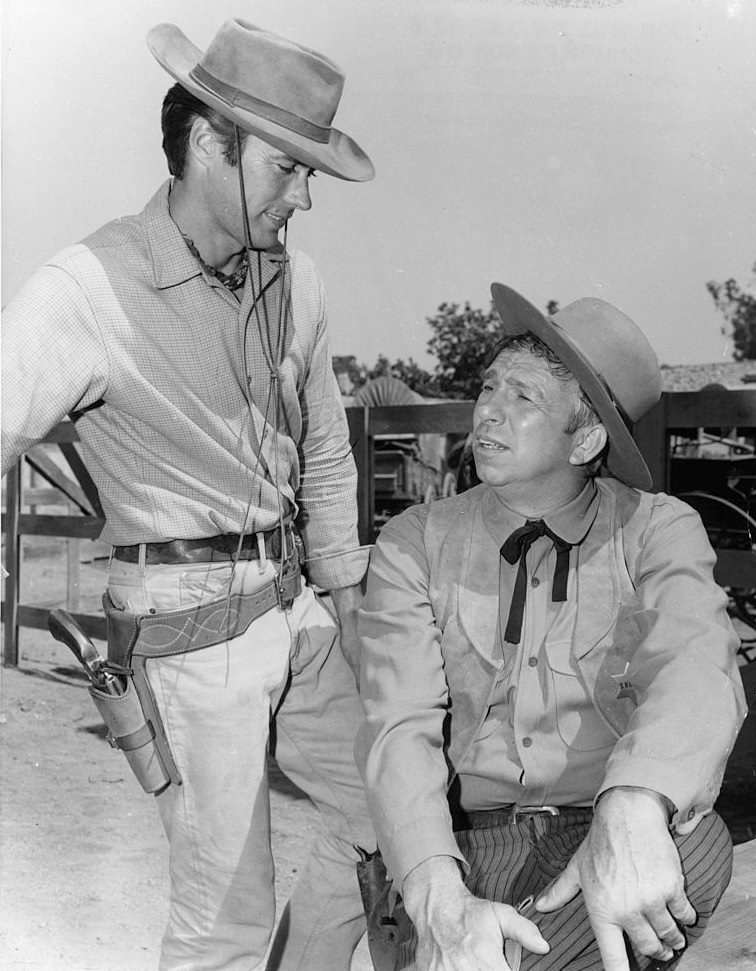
273 357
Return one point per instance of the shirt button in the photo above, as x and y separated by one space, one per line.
535 582
532 661
691 813
527 742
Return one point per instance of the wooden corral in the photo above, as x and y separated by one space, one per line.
675 414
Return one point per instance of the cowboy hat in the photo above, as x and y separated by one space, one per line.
609 357
269 86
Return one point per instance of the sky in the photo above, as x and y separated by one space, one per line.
567 149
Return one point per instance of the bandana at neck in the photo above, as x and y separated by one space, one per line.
232 281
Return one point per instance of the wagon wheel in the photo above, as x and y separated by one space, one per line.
729 525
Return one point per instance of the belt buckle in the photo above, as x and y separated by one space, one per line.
518 810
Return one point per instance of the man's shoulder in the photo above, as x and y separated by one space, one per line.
436 519
631 503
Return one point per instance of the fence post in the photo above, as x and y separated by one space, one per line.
12 564
362 448
650 434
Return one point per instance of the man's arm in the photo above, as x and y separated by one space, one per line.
54 358
400 752
668 766
327 490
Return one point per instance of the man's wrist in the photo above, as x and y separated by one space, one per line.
436 874
629 793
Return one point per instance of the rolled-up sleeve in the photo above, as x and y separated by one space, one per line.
399 748
327 494
684 673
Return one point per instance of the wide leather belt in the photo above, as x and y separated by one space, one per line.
212 549
509 815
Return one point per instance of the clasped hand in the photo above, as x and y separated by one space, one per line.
629 871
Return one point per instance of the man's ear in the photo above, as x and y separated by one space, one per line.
589 443
203 141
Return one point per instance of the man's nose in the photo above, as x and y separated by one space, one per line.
298 195
492 411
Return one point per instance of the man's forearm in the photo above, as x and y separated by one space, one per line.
347 601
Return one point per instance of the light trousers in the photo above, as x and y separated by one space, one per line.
218 705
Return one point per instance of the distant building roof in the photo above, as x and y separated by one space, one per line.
692 377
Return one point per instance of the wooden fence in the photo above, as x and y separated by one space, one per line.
675 413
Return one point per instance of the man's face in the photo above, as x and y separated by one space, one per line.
520 440
275 186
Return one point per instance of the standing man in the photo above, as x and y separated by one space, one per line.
549 677
190 347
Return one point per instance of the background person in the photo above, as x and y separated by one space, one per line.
191 348
549 678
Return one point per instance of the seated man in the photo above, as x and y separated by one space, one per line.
549 677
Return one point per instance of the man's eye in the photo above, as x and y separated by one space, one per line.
288 169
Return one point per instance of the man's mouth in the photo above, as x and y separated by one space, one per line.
276 218
488 444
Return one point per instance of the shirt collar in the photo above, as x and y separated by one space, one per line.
172 262
571 522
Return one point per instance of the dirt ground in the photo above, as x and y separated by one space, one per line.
83 871
83 858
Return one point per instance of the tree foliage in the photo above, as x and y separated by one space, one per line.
739 310
461 342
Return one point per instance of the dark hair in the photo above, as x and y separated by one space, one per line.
583 413
180 110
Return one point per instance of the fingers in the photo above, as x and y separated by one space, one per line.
658 934
561 891
611 945
682 910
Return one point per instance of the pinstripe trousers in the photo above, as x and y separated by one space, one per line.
514 862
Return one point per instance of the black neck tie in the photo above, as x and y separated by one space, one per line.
516 548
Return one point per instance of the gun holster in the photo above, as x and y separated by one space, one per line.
133 718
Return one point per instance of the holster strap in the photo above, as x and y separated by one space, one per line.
129 743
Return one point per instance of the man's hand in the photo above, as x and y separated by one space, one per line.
347 601
457 931
629 871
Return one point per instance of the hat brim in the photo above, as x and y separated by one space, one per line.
341 156
519 316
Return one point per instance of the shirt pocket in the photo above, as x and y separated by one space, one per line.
578 723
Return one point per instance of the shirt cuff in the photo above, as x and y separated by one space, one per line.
417 842
334 571
689 802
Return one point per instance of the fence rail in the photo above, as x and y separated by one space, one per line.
675 413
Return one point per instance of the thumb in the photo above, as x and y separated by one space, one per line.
562 890
515 927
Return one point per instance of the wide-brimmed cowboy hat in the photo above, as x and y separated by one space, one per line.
269 86
611 359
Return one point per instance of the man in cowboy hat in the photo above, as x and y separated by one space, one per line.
191 347
549 679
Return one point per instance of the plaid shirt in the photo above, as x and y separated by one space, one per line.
174 385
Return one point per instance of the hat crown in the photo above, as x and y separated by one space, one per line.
617 350
260 64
